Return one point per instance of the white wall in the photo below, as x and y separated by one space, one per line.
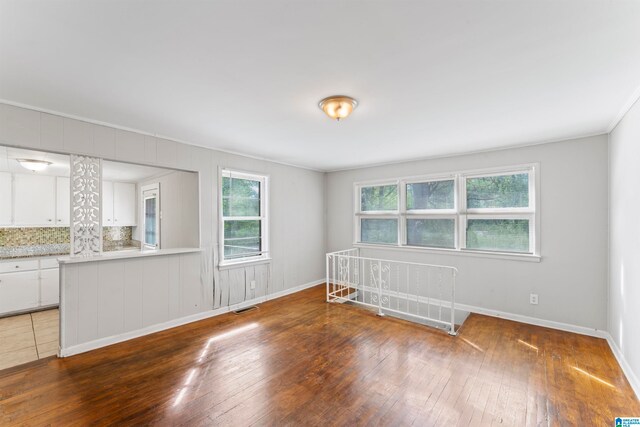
179 206
296 195
624 260
571 279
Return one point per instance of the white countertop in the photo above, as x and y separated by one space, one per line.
27 258
107 256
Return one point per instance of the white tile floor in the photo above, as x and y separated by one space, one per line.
28 337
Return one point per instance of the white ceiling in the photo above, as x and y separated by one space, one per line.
59 162
60 166
432 77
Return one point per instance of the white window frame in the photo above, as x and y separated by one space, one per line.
460 214
360 214
263 218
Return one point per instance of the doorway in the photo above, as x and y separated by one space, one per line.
151 216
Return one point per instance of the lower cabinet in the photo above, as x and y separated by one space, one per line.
25 290
19 291
49 287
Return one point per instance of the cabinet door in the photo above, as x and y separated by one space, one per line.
63 201
35 200
49 287
107 204
19 291
124 204
5 198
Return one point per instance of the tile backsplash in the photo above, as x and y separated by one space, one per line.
118 238
113 234
32 236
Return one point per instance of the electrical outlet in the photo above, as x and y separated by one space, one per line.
252 284
533 299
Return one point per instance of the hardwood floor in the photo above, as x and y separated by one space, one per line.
300 361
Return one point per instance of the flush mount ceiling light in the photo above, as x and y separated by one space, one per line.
33 165
338 107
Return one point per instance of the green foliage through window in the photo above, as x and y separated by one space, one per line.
437 232
240 197
504 191
241 238
379 231
509 235
431 195
379 198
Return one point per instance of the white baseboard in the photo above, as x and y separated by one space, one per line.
103 342
626 368
583 330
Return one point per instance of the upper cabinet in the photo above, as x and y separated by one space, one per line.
118 204
6 206
107 203
34 200
124 204
30 200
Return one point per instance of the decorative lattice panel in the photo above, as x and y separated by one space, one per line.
86 217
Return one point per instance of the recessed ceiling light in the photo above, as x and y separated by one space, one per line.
338 107
33 165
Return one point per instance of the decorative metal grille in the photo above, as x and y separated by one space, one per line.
425 292
86 217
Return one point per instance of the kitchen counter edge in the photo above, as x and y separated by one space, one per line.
109 256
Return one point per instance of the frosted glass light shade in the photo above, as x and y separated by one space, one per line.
338 107
33 165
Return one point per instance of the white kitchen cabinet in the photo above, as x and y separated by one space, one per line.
107 203
118 204
63 201
49 287
124 204
26 284
19 291
6 199
34 200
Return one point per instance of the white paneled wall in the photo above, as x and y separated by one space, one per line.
78 137
51 132
296 225
179 206
236 285
110 298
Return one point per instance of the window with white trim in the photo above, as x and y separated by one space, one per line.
488 211
243 213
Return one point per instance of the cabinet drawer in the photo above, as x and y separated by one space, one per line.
48 263
16 266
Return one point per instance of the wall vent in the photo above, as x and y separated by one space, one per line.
244 310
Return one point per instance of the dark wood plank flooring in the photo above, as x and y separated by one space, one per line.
300 361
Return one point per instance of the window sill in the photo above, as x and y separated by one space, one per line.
454 252
238 264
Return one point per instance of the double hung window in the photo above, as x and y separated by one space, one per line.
489 211
243 212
